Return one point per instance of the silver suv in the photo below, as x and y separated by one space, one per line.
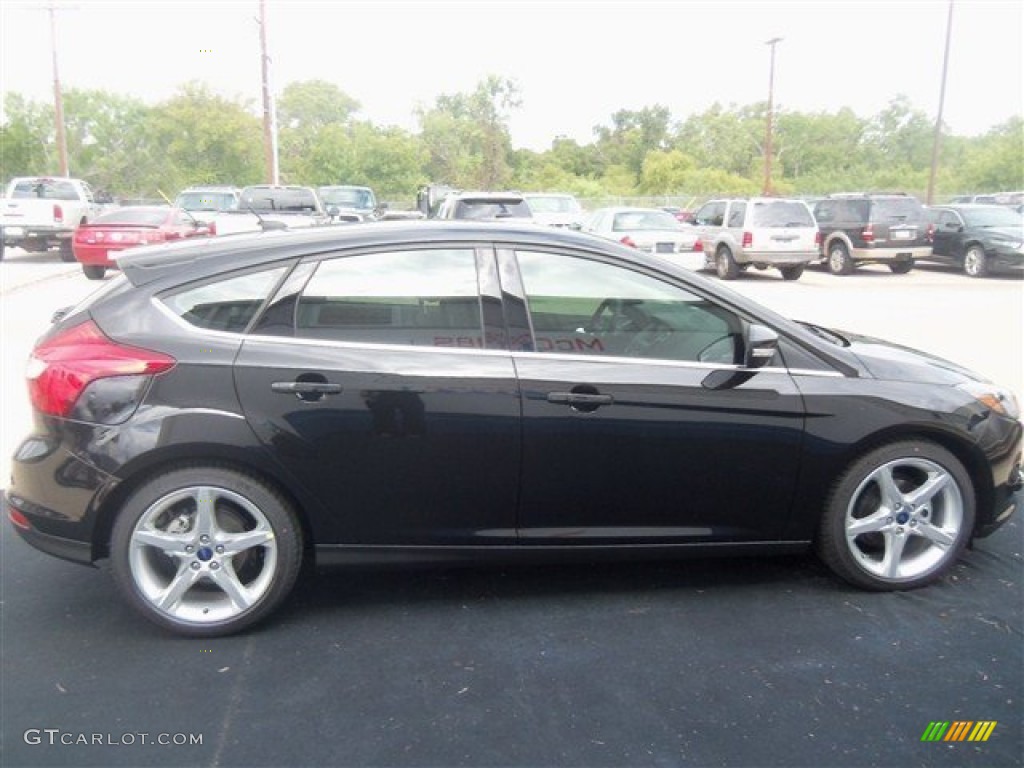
759 231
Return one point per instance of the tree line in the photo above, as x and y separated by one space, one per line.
131 149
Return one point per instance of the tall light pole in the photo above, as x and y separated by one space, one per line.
768 121
269 118
58 98
942 103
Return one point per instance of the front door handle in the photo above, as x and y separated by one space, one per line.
583 398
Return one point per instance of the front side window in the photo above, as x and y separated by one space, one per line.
711 215
582 307
416 297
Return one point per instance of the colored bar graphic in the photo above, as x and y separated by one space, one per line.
959 730
935 731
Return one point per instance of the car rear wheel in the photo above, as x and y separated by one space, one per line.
205 550
94 271
839 261
901 267
792 273
66 253
975 263
725 264
899 517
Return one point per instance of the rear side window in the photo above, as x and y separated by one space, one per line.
226 305
781 213
484 209
418 297
736 215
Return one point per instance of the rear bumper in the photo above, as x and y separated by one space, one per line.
892 253
15 234
94 256
777 258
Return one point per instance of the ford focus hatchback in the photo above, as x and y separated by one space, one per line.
226 411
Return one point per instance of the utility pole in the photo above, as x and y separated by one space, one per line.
942 103
58 97
768 121
269 117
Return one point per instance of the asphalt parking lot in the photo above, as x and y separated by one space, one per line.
733 662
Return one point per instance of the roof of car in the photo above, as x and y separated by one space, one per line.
150 263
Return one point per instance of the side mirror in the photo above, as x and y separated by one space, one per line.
760 344
759 347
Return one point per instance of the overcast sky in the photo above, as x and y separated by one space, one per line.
576 63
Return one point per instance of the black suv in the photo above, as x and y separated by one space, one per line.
867 228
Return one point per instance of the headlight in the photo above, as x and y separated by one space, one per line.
998 399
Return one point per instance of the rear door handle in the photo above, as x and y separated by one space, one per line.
307 391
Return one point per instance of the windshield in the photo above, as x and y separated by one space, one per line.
137 217
991 217
264 200
206 201
553 204
782 213
347 197
633 220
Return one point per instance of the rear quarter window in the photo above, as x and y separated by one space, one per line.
225 305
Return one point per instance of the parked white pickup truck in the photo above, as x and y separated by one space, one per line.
39 213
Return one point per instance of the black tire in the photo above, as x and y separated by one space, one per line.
909 539
975 261
725 265
901 267
792 273
224 570
839 261
66 252
94 271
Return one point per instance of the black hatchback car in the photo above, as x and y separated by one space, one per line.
225 411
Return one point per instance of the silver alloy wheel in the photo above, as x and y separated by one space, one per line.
974 261
904 519
203 554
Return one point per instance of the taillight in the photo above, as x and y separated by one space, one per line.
868 234
152 237
818 238
211 228
18 519
929 234
627 240
83 235
699 245
61 369
748 239
58 214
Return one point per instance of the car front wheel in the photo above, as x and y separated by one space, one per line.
975 263
205 550
898 518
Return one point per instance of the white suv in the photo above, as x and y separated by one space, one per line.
760 231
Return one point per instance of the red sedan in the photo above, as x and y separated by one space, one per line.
95 242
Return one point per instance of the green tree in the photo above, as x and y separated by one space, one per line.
467 136
27 144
